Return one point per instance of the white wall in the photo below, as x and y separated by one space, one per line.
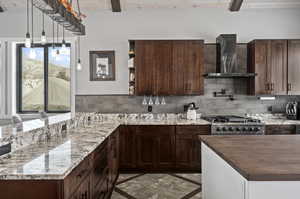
111 31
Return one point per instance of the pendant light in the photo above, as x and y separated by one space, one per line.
27 40
32 53
43 36
79 67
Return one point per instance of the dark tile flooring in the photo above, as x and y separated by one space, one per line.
158 186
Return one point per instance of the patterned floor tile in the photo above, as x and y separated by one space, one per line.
158 186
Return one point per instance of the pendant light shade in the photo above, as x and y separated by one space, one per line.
64 47
27 39
43 36
79 66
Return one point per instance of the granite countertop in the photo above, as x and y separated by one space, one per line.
274 119
260 158
56 158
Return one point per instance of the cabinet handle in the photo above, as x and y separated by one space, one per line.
272 86
267 86
289 87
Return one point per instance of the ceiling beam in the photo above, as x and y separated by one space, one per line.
116 5
235 5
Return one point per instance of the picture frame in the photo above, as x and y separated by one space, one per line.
102 66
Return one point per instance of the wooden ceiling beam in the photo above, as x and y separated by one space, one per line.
235 5
116 5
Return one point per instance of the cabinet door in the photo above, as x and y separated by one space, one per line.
294 67
258 53
83 191
165 136
146 147
127 147
194 68
188 146
163 71
145 63
278 66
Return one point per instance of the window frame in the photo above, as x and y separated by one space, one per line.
19 77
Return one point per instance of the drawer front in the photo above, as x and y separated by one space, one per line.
155 129
74 179
280 129
193 130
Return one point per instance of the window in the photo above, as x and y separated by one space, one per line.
43 79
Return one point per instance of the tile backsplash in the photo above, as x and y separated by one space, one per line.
207 104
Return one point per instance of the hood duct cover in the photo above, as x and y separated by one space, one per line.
226 54
227 64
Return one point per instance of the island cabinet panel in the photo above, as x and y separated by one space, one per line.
155 148
128 147
280 129
188 147
168 67
293 67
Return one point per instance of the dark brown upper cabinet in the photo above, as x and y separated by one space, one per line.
293 67
169 67
268 59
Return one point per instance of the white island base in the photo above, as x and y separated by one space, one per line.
221 181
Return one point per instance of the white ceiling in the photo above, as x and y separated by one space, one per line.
150 4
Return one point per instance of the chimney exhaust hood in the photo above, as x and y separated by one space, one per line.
227 66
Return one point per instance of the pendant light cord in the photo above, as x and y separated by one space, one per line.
57 32
53 33
43 22
32 21
78 48
27 16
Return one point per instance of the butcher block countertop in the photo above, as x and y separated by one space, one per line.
259 158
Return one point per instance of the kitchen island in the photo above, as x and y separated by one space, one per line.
251 167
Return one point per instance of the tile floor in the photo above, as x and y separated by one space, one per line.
158 186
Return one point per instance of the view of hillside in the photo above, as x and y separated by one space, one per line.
33 86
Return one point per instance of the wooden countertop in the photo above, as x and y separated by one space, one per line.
260 158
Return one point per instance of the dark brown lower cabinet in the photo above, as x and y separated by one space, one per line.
155 148
127 147
280 129
188 147
161 148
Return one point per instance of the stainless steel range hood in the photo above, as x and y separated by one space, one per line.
227 65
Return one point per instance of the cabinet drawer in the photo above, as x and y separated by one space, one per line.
74 179
193 130
280 129
154 129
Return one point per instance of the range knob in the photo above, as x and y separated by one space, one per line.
238 129
256 129
230 129
251 129
244 129
224 129
218 129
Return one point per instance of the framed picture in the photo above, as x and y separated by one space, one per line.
102 66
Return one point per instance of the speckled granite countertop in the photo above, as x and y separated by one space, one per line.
54 158
44 151
274 119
